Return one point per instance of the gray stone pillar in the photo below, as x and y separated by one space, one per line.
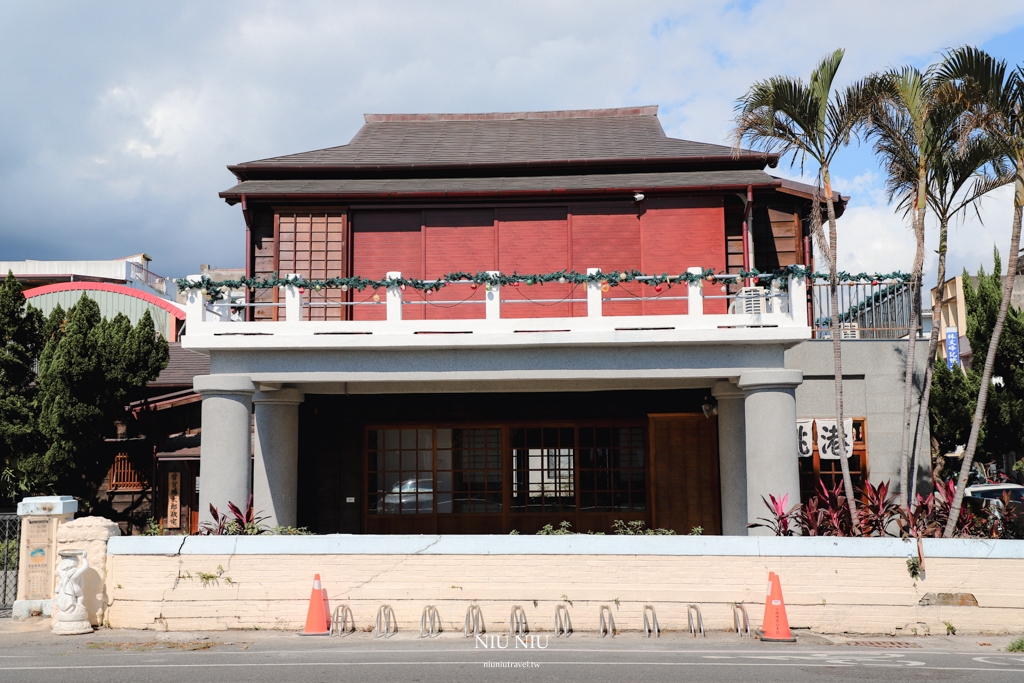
770 411
225 451
732 457
276 460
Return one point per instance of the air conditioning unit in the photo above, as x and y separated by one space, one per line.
850 331
751 300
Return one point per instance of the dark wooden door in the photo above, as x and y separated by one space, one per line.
684 473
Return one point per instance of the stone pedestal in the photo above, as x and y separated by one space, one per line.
69 614
41 517
88 535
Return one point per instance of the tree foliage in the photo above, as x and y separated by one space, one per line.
21 338
53 425
954 393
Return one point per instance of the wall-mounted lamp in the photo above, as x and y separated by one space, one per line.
709 408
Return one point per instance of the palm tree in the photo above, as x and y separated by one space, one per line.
808 120
950 171
900 121
994 99
915 119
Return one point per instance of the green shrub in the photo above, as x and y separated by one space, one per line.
1016 646
9 556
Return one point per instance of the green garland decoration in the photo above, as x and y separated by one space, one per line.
214 289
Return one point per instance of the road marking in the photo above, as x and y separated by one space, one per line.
984 660
816 665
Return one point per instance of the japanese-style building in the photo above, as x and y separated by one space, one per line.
496 409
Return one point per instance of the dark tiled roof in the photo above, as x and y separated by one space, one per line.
182 366
621 182
438 140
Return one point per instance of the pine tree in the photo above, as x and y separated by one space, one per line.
71 383
955 392
90 368
21 339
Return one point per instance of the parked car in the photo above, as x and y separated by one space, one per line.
994 492
413 496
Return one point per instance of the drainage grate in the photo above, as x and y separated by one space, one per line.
892 644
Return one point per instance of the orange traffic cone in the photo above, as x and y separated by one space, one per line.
775 627
316 617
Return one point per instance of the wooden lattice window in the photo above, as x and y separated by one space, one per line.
123 476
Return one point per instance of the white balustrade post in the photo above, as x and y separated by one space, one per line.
492 300
292 301
195 302
394 298
594 299
695 293
798 299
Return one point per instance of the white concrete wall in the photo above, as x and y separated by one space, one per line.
829 584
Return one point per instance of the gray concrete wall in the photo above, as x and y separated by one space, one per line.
873 375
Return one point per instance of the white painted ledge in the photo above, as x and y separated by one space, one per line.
342 544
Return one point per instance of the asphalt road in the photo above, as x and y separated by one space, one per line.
258 657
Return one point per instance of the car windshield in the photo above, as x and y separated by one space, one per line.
409 486
1016 494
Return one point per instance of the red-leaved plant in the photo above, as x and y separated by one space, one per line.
239 523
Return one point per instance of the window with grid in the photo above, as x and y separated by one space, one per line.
400 471
612 474
543 469
469 477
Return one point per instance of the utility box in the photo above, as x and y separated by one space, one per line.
40 517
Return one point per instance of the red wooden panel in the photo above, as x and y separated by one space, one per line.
609 241
533 241
374 254
454 249
681 236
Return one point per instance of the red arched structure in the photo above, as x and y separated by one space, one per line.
168 306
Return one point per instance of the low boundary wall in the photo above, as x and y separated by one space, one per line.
830 585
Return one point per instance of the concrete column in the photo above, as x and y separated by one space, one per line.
770 412
732 457
226 448
276 460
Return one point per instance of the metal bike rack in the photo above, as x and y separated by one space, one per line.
651 626
342 621
430 622
695 625
739 617
517 624
386 625
606 627
563 624
474 621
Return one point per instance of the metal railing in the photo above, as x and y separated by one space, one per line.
10 545
867 310
139 272
782 304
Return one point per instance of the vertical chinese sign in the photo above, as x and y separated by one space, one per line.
952 347
174 500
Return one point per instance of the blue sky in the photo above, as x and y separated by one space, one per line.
119 118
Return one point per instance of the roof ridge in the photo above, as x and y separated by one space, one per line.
651 110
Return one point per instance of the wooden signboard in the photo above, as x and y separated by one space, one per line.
174 500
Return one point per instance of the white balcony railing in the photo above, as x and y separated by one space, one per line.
778 312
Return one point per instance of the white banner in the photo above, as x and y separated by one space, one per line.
828 438
804 438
